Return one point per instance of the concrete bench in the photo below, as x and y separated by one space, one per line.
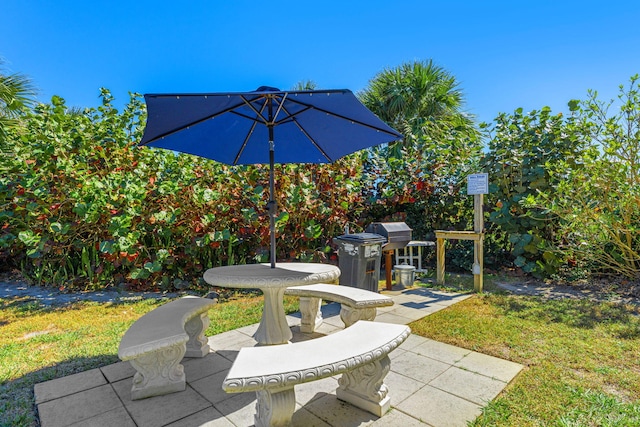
360 353
156 343
355 304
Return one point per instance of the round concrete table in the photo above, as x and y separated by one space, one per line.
273 328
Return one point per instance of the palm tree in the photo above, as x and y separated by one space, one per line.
417 98
305 85
17 93
422 175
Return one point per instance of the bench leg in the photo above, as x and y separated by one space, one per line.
158 373
350 315
311 314
364 387
198 345
275 408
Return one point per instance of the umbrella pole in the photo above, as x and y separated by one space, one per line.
272 207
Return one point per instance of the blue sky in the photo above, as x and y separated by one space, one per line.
505 54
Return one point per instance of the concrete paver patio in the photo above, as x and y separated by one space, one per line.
430 383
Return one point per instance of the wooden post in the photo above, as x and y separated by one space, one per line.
478 250
440 261
387 268
478 187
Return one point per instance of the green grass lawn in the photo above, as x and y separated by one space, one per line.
39 343
582 359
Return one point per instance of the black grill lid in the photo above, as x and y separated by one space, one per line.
398 234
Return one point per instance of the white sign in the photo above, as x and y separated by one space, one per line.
478 183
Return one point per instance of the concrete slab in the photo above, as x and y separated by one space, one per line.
401 387
396 353
78 407
420 368
160 410
68 385
331 324
301 336
338 413
440 351
438 408
327 327
118 371
229 343
302 417
292 320
308 392
385 309
116 417
206 418
490 366
430 383
391 317
412 342
248 330
239 408
417 294
473 387
415 303
397 418
211 387
412 313
200 367
448 300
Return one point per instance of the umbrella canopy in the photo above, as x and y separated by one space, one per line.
264 126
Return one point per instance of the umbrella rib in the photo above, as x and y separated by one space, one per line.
280 107
253 126
250 105
260 117
196 122
340 116
304 131
259 113
291 117
246 116
245 101
245 142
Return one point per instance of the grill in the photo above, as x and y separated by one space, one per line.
398 234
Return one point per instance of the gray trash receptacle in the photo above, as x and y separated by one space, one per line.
405 274
359 258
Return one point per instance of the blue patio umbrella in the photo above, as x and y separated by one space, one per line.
264 126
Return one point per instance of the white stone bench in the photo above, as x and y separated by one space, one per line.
360 353
355 304
156 343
